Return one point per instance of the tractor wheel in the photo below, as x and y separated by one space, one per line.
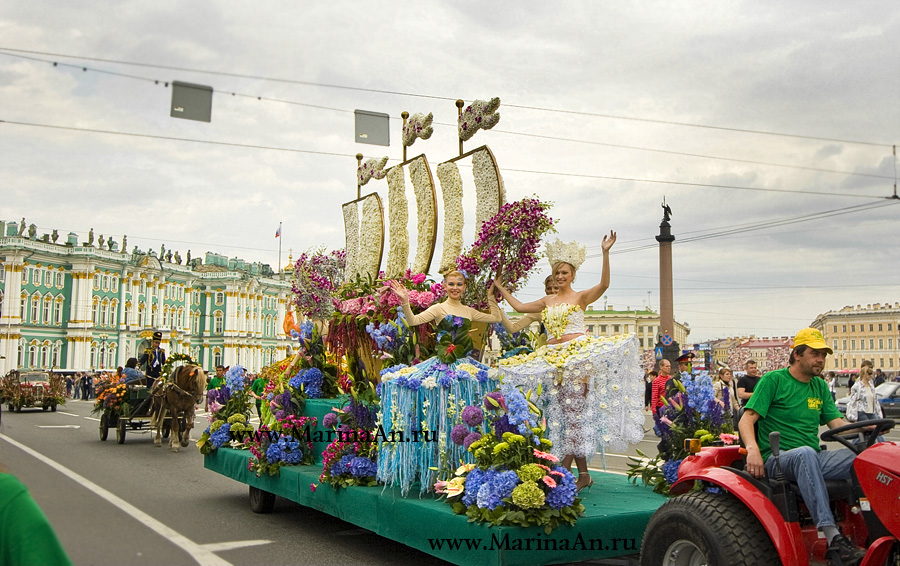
120 431
706 528
261 501
104 426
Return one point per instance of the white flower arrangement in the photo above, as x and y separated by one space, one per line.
398 216
572 253
351 238
489 192
371 236
480 115
418 126
426 210
454 219
371 168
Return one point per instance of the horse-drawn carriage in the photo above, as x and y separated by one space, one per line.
32 389
165 408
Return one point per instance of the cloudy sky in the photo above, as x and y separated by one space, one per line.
750 118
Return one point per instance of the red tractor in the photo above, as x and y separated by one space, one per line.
735 519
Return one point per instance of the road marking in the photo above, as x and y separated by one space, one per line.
59 426
203 556
231 545
92 419
70 414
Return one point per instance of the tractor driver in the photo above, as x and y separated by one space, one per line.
795 401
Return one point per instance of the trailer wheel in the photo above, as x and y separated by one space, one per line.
104 426
706 528
120 431
261 501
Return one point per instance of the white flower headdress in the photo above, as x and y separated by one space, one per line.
568 252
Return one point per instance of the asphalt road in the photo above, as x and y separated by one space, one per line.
134 504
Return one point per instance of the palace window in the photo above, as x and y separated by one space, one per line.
95 313
871 343
217 357
142 315
36 276
60 279
56 354
219 323
48 278
35 309
96 282
195 323
115 284
32 356
220 298
58 312
46 312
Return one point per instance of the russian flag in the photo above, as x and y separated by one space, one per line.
278 232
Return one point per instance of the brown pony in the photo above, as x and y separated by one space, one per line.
176 398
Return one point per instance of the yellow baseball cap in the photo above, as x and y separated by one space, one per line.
813 338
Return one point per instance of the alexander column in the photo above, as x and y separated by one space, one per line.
670 350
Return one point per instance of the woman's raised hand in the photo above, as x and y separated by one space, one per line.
608 241
399 290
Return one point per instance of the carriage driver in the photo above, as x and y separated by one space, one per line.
153 358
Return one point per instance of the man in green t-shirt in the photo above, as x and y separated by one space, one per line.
215 383
795 401
257 388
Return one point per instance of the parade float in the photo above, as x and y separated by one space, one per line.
402 429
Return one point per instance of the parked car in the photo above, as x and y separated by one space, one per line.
888 394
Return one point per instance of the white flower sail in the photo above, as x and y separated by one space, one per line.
398 215
371 235
351 231
454 219
489 192
426 210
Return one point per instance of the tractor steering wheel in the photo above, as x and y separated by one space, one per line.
880 425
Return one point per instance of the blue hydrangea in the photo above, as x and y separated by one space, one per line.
670 470
342 466
474 479
488 498
392 369
221 436
564 493
306 330
482 376
310 380
445 379
384 335
362 467
504 482
699 393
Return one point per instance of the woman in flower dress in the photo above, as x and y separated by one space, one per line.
592 386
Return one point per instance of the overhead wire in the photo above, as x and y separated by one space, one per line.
337 154
507 132
436 97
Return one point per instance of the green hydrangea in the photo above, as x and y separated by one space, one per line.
216 425
528 495
530 473
237 418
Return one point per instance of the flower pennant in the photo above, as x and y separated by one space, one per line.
418 126
371 168
481 114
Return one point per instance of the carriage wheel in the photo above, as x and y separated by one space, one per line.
104 426
261 501
120 431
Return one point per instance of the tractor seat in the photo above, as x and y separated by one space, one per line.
837 489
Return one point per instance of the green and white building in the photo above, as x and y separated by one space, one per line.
82 306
